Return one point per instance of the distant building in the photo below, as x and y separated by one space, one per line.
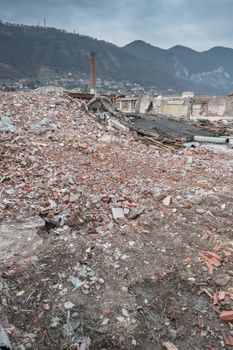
126 104
187 94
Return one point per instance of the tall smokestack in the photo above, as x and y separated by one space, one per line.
93 73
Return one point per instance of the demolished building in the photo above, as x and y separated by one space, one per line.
186 106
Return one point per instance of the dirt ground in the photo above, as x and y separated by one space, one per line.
72 275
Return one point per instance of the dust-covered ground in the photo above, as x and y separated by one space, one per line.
106 243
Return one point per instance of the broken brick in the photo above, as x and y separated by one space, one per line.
226 315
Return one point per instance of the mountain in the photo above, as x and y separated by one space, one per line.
210 71
42 53
28 51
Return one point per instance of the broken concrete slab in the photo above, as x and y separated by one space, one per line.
165 129
116 124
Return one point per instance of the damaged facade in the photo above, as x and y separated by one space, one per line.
184 106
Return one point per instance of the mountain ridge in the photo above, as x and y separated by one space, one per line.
30 51
211 69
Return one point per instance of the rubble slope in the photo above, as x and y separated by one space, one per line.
106 243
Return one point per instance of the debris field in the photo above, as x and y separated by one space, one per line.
106 242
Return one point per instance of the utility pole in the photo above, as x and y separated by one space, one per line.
93 73
44 23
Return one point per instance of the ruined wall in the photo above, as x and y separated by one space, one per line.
145 101
216 106
212 108
198 110
176 110
126 105
176 107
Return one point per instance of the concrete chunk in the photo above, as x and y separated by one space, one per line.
167 201
4 340
6 124
118 213
116 124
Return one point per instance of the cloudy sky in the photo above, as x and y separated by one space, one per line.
200 24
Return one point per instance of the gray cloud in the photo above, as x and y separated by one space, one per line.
199 24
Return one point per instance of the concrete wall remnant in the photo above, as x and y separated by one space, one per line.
126 104
184 106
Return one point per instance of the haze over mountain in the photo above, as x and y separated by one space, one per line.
32 52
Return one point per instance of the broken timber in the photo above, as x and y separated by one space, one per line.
153 139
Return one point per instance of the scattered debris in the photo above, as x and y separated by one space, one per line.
104 237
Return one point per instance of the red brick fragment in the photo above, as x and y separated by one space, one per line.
228 339
226 315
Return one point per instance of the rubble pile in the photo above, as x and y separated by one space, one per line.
107 242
